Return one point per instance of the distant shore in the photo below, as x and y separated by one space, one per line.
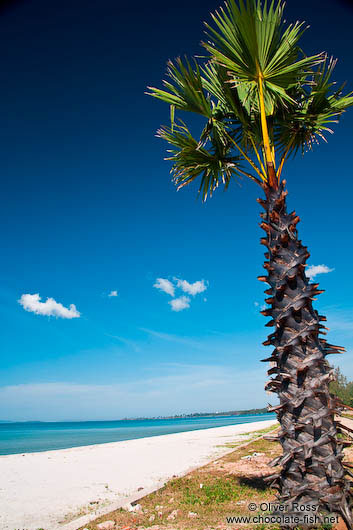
175 416
45 489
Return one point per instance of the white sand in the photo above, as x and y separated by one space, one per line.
45 490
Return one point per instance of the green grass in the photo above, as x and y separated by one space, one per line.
218 491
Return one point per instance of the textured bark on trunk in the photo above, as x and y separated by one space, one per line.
311 465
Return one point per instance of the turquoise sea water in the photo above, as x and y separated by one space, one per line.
28 437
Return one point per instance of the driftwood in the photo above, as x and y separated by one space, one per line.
311 466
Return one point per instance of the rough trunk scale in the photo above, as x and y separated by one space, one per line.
311 465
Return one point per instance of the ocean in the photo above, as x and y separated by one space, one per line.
29 437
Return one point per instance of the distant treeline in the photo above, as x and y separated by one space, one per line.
342 388
206 414
229 413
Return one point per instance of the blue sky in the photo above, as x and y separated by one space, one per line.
88 208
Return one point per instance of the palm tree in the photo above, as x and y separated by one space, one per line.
264 101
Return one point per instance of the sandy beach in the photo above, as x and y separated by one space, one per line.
64 489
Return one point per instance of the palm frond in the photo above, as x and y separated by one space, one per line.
185 90
191 160
251 41
310 119
230 108
215 81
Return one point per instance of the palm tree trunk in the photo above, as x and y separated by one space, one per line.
311 464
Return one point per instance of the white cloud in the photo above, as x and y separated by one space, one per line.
112 294
261 306
192 288
127 342
314 270
172 338
165 285
183 302
32 303
178 304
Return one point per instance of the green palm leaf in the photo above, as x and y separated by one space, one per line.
191 161
185 90
314 111
251 42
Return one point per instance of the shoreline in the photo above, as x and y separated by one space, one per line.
85 437
52 489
